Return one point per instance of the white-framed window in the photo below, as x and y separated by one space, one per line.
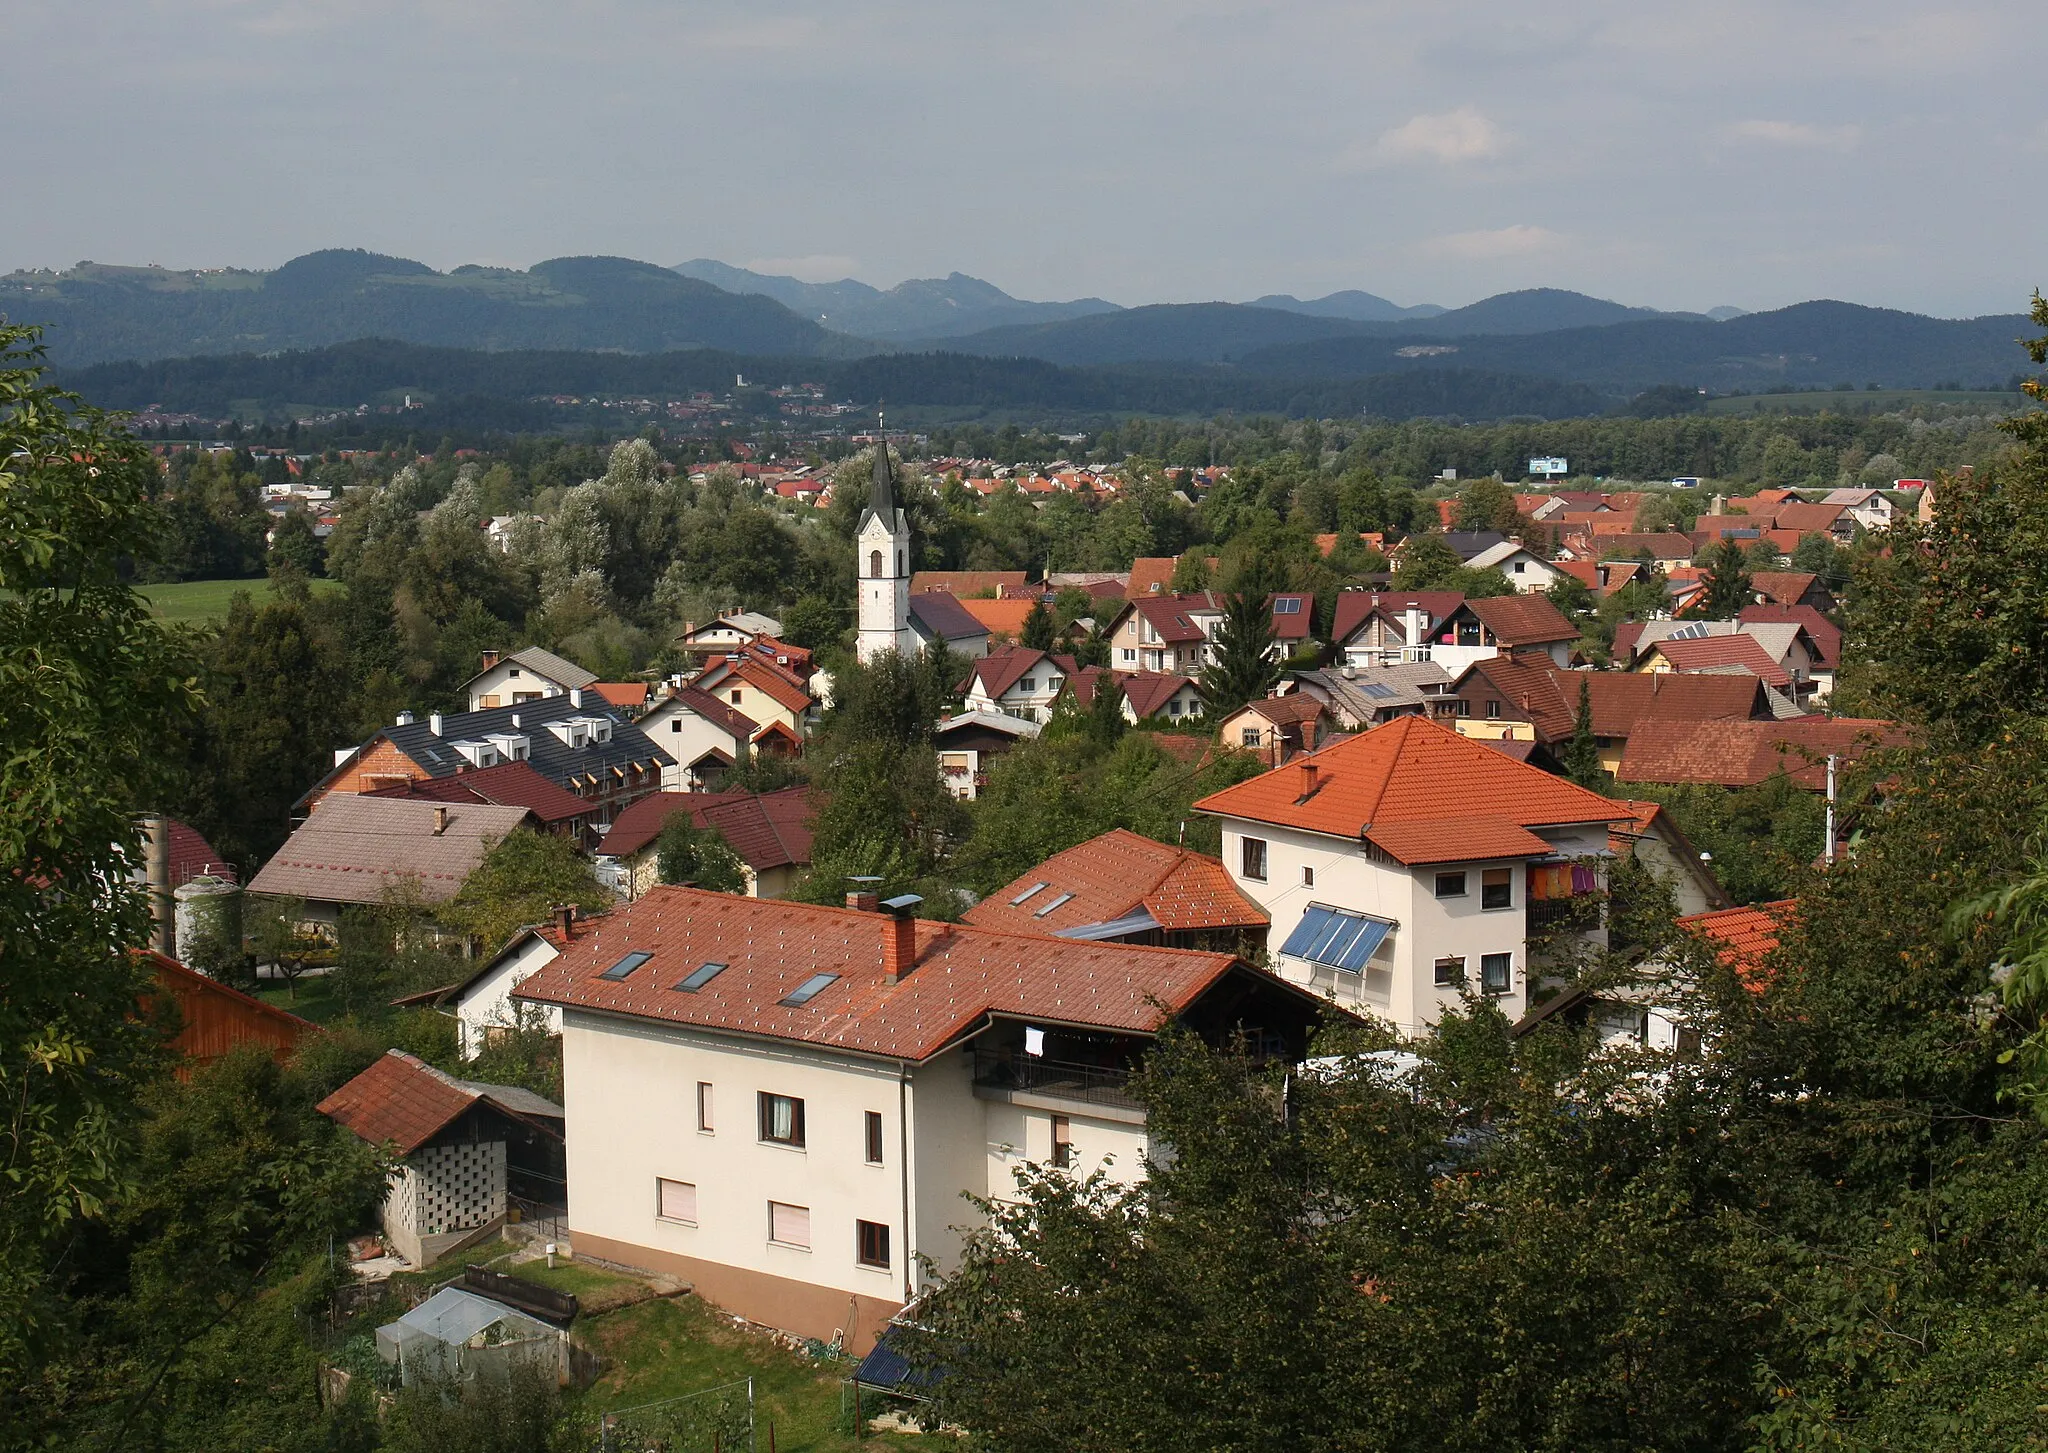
1450 885
1252 858
789 1225
1450 973
704 1106
1496 973
1029 683
1308 876
782 1119
675 1200
1130 654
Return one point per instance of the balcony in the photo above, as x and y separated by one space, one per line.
1579 913
1003 1074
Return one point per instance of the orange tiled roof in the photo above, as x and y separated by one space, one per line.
1113 876
401 1099
1785 587
1003 617
1523 620
627 694
1150 575
960 974
967 582
1743 753
1418 790
1746 936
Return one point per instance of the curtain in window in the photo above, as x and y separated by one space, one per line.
781 1118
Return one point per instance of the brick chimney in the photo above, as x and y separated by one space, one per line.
1308 781
862 897
565 920
440 820
899 938
490 659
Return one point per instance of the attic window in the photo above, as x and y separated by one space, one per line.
1034 888
809 989
1064 897
699 977
1286 606
625 966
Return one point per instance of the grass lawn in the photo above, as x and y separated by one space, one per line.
663 1349
311 998
207 600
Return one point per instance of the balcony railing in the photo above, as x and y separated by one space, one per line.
1579 913
1029 1074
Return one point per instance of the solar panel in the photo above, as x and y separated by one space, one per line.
625 966
699 977
1286 607
1336 938
1052 905
1379 691
1693 632
810 988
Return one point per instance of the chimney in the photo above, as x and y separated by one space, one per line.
863 898
435 722
1719 505
440 819
1308 781
575 696
899 938
405 718
1412 628
490 659
515 719
565 920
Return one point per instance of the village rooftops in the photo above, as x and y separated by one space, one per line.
1742 754
1116 884
544 664
938 615
766 829
353 848
881 985
509 784
1419 792
405 1102
1746 936
1547 697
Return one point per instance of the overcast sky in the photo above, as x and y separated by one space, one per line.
1679 155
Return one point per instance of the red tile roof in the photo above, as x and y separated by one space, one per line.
767 829
1149 691
771 682
509 784
1005 666
1692 654
1785 587
1523 620
727 717
1172 616
967 582
1418 790
960 975
1356 607
1112 877
1293 625
1547 696
1003 617
1289 710
1741 754
1745 937
192 856
401 1099
629 695
1150 575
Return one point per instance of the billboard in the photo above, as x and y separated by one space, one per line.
1549 468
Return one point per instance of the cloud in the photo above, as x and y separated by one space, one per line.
815 268
1447 138
1796 133
1518 240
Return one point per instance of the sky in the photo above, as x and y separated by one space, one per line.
1674 155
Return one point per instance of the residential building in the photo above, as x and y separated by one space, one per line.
1794 654
482 1004
1163 695
773 695
1123 888
509 784
1406 865
1019 681
1653 838
1792 588
1293 622
1537 693
995 584
1276 727
1525 570
731 632
466 1151
882 561
1666 550
1742 754
1602 577
970 741
937 618
1823 639
1385 628
523 675
769 831
1165 633
704 738
787 1104
1364 696
1002 617
354 851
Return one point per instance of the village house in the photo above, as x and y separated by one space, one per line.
772 694
704 738
1525 570
843 1077
1822 639
1161 695
1781 652
1019 681
1408 865
1364 696
1792 588
1742 754
769 831
1386 628
733 631
1122 888
1165 634
968 742
523 675
1276 728
481 1002
938 619
509 784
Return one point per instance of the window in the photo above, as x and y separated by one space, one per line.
789 1225
625 966
808 990
1468 633
675 1201
1062 1141
704 1106
1450 885
1254 859
1287 606
1173 707
513 672
1497 888
1308 876
1029 683
874 1128
1520 566
699 977
872 1244
1450 973
782 1119
899 562
1248 737
735 698
1035 887
1063 898
1493 711
875 564
675 724
1130 655
1464 707
1496 972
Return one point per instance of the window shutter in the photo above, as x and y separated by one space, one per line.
678 1201
791 1225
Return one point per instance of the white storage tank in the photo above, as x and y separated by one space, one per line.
206 905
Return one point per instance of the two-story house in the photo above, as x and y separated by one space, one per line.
1166 634
1018 681
1376 628
523 675
787 1104
1408 864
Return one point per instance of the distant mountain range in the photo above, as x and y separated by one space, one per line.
922 308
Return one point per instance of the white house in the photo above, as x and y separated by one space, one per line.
1392 628
1406 864
706 738
1018 681
786 1103
482 1003
970 741
1525 570
523 675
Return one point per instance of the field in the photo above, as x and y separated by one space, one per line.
1867 401
197 601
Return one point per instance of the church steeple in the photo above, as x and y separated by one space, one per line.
882 488
882 561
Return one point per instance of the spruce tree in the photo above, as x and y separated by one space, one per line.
1582 752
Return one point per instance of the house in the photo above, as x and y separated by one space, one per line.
355 850
731 632
1702 653
1653 837
704 738
509 784
1408 864
214 1019
1823 639
1525 570
466 1151
1547 700
1639 646
994 584
1744 937
1664 549
523 675
1293 622
769 831
1276 727
1161 695
1001 618
1123 888
1792 588
770 693
1151 575
832 1083
969 742
1742 754
1165 633
1364 696
482 1002
1602 577
1387 627
936 618
1019 681
575 740
1384 628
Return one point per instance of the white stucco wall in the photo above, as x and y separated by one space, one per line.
486 1003
509 680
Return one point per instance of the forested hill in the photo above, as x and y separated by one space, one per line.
96 313
487 385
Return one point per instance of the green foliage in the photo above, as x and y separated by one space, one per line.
522 880
813 622
1727 583
1488 504
1428 563
1581 760
517 1414
893 698
1037 631
685 853
1245 667
1760 839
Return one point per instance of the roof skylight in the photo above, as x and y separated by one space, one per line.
1052 905
1035 887
699 977
626 965
809 989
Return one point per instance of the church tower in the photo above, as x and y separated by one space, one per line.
883 565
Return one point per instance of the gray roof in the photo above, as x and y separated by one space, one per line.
1776 637
938 615
453 1316
567 674
1500 554
1365 693
550 756
881 492
1469 543
353 847
1000 721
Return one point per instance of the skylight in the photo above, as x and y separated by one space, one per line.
1035 887
1287 606
699 977
625 966
1052 905
1379 691
810 988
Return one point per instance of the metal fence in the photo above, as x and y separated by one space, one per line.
1094 1084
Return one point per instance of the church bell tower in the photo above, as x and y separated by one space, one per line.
883 565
